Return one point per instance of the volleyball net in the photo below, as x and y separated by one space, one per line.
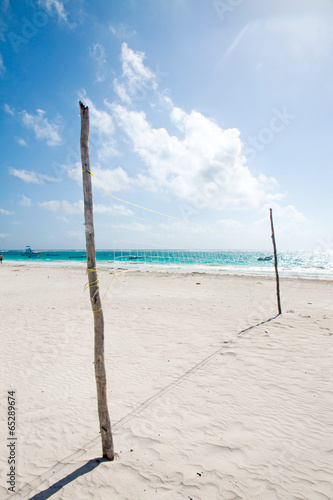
141 238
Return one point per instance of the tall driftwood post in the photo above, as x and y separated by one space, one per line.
96 304
276 264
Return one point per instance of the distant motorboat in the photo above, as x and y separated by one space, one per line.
135 257
31 253
269 257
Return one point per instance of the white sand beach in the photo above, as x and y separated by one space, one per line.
211 395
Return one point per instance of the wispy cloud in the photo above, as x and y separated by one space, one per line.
136 76
6 212
3 26
25 202
2 65
31 176
55 7
121 91
97 52
121 31
64 206
4 5
8 109
3 29
74 208
21 141
113 209
134 70
43 129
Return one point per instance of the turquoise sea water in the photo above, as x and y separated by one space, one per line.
305 264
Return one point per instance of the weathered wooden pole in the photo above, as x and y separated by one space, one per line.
96 304
276 264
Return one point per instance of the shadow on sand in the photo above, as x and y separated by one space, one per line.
258 324
88 467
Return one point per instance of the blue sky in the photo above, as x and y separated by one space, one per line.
208 110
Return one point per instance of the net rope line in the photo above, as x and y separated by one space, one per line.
163 214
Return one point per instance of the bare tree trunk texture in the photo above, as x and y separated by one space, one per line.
276 264
96 304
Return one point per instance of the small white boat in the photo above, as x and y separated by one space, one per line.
31 253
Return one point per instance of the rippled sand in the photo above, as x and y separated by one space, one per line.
211 395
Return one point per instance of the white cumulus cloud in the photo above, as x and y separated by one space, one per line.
201 163
205 165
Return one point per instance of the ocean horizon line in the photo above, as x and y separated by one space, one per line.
306 263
